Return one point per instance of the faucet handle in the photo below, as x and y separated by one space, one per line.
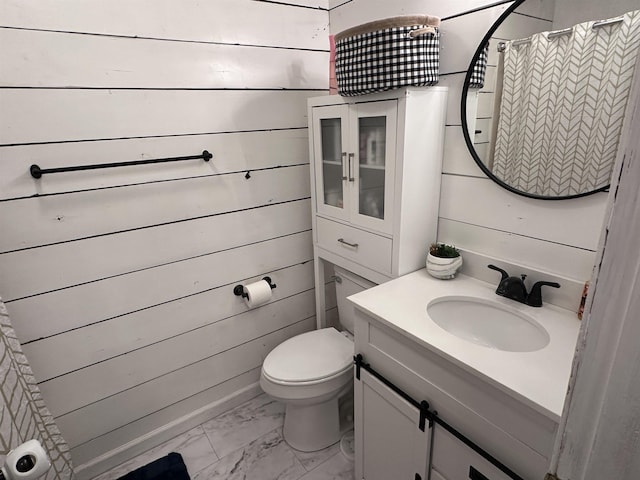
534 299
505 275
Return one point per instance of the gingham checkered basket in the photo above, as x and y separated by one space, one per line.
387 54
479 69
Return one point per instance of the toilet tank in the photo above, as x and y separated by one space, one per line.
348 283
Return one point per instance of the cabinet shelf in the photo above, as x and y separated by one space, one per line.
332 162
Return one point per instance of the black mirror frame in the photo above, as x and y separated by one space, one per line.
465 126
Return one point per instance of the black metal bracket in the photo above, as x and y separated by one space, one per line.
238 290
359 361
37 172
425 414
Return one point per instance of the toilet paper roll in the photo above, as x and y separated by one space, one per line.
28 461
258 293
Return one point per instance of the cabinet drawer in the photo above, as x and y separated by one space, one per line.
452 459
365 248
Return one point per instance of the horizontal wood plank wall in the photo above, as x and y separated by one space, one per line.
119 281
475 213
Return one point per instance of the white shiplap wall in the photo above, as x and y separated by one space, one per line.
545 239
119 282
569 12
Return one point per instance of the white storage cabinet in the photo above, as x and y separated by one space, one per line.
376 163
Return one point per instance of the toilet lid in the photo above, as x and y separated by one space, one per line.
310 356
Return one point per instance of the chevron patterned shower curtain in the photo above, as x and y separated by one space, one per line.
23 414
562 107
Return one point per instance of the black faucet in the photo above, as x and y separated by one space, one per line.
515 289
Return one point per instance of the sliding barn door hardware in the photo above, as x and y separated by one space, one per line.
426 414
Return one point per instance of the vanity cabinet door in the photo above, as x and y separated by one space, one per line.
389 444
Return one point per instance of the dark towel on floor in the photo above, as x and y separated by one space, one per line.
170 467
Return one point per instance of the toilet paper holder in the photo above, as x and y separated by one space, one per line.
27 461
238 290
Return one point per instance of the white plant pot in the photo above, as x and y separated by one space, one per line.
443 268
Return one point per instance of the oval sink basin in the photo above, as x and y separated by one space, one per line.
487 323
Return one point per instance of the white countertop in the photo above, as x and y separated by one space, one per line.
538 379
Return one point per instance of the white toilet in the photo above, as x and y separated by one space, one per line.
312 374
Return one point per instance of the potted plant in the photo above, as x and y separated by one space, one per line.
443 261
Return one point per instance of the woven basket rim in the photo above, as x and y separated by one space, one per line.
403 21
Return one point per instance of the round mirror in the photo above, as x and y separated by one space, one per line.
545 95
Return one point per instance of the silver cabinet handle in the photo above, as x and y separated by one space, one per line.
344 157
351 156
342 240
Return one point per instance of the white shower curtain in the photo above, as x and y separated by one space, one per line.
23 413
563 105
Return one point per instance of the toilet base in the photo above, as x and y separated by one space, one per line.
309 428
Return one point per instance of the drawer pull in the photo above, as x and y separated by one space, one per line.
343 241
476 475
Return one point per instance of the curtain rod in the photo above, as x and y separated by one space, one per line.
557 33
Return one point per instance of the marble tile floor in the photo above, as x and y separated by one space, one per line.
245 443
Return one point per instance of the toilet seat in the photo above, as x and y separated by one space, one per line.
310 358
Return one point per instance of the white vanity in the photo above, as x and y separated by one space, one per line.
509 403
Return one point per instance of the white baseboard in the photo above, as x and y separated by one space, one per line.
160 435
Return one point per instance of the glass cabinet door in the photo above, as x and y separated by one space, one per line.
375 127
332 161
372 145
330 151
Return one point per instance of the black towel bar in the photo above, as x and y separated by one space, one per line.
37 172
